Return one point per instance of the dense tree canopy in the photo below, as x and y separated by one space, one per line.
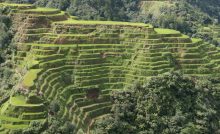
6 72
211 7
5 24
170 104
186 16
182 16
95 9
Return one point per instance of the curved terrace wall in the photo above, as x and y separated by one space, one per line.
80 62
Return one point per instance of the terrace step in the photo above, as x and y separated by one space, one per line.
37 31
14 127
44 11
33 116
85 123
76 56
52 77
5 131
43 52
13 121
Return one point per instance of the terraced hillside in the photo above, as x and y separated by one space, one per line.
213 30
80 62
19 111
216 33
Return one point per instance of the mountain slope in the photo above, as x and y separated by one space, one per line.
187 16
79 63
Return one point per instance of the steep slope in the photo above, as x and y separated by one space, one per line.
212 7
19 111
185 15
212 31
80 62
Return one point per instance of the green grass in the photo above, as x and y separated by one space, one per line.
14 127
11 119
30 77
166 31
41 9
71 45
195 40
21 101
44 14
62 13
182 36
18 100
11 112
15 5
4 107
207 29
84 22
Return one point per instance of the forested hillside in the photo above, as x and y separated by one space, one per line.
6 50
187 16
171 104
210 7
109 67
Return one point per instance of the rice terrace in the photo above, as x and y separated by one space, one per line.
80 63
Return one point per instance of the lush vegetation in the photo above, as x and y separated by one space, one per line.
210 7
6 49
170 104
5 37
53 125
187 16
60 74
180 16
95 9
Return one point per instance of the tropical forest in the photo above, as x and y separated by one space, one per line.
109 66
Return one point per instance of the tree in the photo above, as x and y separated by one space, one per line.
169 104
54 107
